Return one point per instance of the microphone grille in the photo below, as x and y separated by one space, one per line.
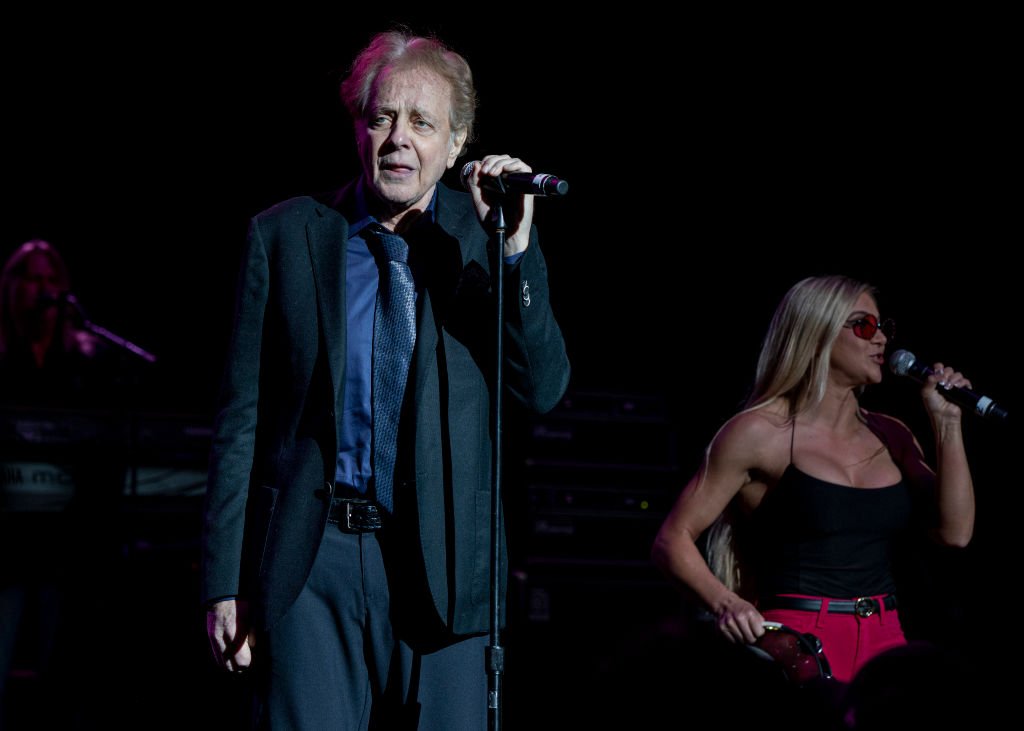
901 362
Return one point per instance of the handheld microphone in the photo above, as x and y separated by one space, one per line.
904 363
524 183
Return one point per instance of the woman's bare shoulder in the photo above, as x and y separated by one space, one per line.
755 429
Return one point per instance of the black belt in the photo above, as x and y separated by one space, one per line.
862 607
356 515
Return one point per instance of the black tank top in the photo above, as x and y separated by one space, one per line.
815 537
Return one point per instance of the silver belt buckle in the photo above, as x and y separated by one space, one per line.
865 606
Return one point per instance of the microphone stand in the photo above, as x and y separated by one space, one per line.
107 335
495 656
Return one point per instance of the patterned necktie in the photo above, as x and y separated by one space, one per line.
394 335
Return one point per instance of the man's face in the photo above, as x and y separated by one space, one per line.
405 141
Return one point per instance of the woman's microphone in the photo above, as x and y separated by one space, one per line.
904 363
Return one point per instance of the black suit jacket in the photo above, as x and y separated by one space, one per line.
275 442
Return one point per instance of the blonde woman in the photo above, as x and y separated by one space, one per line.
804 494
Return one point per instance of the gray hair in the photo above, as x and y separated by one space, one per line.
401 50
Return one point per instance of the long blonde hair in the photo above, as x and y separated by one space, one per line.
793 366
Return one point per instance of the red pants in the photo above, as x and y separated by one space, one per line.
847 640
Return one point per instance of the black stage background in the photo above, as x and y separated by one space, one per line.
712 163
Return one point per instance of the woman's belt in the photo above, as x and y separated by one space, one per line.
863 606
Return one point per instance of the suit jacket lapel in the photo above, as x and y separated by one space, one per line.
327 238
459 224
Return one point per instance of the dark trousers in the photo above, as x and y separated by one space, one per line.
326 663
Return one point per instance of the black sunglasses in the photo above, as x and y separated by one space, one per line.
866 327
